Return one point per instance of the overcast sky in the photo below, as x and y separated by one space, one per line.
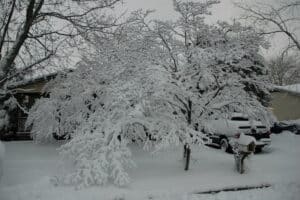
223 11
164 8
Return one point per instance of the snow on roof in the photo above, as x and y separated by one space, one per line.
295 88
28 81
237 114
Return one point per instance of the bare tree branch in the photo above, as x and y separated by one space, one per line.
36 31
175 68
278 17
26 68
6 25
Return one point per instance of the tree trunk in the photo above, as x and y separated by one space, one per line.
8 59
189 112
187 149
188 156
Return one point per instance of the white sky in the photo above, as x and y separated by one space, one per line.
164 8
225 11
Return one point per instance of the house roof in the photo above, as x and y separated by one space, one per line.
295 88
33 85
36 83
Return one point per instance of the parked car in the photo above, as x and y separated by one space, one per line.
291 126
224 132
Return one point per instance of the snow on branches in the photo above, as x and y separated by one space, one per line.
152 84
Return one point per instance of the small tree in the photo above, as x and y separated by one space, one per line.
210 64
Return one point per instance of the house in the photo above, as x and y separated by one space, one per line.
285 102
26 93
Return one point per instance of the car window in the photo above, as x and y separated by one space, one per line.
239 119
244 127
261 127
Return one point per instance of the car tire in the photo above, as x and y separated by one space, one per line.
224 144
258 149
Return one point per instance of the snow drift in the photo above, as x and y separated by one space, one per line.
2 152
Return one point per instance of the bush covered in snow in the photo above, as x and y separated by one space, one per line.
3 119
152 83
6 106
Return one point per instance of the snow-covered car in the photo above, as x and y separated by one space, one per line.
224 132
2 150
292 126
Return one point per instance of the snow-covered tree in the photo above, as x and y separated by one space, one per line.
284 69
216 68
276 17
39 35
152 83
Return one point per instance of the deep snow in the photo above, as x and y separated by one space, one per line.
295 88
2 152
28 168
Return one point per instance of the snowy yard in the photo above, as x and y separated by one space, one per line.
106 73
28 168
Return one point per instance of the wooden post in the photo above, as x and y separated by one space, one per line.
239 161
187 156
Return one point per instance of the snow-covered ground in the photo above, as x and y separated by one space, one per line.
28 168
2 152
295 88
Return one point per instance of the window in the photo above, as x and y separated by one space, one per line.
239 119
